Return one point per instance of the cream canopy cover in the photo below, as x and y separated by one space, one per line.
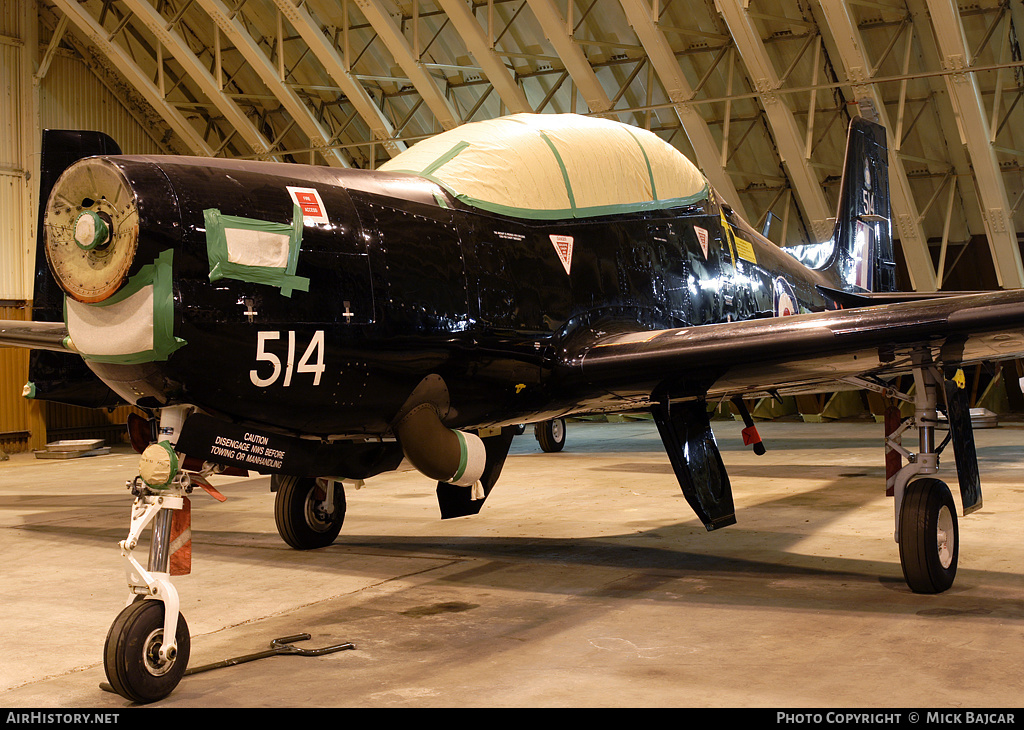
553 166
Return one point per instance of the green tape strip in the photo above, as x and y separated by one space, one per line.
463 458
444 159
650 172
561 166
217 251
159 274
566 213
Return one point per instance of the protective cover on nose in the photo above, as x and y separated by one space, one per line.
92 230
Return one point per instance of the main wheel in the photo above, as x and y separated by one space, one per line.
551 435
131 654
301 512
929 536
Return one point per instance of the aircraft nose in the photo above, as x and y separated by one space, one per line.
92 230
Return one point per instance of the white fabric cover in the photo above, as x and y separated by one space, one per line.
252 247
540 164
112 330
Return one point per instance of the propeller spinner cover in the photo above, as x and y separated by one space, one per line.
92 230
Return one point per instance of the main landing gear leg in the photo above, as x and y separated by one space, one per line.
147 646
926 525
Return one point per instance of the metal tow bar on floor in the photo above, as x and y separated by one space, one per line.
278 646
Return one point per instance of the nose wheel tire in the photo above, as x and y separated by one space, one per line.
131 654
551 435
929 536
302 515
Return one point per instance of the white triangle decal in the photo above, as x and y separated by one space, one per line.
563 247
702 236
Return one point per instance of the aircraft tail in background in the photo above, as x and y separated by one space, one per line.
859 257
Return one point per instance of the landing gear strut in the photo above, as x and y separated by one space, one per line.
147 646
926 524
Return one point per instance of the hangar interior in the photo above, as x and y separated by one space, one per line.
758 94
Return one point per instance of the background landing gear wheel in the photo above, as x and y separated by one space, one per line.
929 536
131 653
300 511
550 435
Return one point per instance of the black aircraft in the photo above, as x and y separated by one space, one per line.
322 325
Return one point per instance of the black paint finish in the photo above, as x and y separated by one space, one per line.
655 309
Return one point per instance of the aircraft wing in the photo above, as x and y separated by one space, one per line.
34 335
778 352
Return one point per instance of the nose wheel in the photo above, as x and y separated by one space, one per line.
131 654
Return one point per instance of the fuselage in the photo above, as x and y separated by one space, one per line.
393 279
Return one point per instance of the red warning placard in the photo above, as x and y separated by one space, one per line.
313 210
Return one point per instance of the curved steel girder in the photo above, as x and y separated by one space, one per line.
197 71
399 47
972 123
244 43
135 76
320 46
784 127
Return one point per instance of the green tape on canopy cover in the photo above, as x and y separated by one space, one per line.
555 214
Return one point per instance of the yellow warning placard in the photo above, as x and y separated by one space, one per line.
745 250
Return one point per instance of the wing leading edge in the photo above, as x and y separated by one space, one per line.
677 370
772 353
34 335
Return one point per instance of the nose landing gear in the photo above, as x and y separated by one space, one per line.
147 646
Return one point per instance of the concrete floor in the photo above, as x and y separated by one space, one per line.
585 582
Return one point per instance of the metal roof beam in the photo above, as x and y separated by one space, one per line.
472 34
906 216
396 43
559 34
972 124
785 130
299 112
663 59
197 71
319 44
100 37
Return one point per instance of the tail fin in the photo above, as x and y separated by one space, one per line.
862 257
55 376
60 148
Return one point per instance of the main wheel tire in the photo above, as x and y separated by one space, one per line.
301 515
131 657
929 536
551 435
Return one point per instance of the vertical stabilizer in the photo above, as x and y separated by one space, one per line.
862 257
56 376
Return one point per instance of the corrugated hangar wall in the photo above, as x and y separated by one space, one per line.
70 95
